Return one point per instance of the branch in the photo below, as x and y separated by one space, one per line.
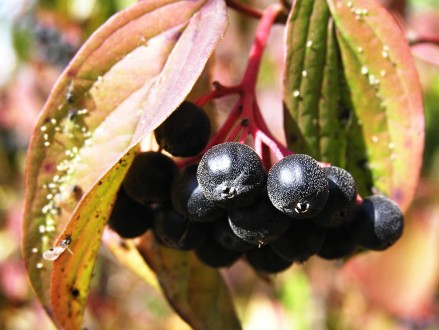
255 13
424 39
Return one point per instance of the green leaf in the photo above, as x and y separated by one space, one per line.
126 79
385 93
196 291
352 96
306 48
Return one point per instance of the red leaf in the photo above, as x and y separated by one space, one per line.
127 78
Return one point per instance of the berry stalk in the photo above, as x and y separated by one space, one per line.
245 118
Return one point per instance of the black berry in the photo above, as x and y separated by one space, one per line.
341 200
149 178
265 260
302 240
215 255
231 174
128 218
225 236
259 223
189 200
339 242
185 132
297 186
175 231
378 223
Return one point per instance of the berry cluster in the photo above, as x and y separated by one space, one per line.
225 205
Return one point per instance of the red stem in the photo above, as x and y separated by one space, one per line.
246 108
249 11
261 37
423 39
234 133
281 149
244 134
218 92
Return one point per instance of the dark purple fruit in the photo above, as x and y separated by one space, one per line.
185 132
225 236
175 231
302 240
215 255
231 174
339 242
128 218
265 260
259 223
378 223
149 178
189 200
341 200
297 186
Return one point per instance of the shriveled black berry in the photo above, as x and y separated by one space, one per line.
265 260
189 200
175 231
225 236
341 200
185 132
128 218
149 178
231 174
297 186
215 255
302 240
378 223
259 223
339 242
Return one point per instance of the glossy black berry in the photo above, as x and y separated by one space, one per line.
302 240
189 200
297 186
259 223
215 255
231 174
149 178
339 242
342 198
185 132
175 231
225 236
378 223
128 218
265 260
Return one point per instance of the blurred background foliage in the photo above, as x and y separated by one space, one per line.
396 289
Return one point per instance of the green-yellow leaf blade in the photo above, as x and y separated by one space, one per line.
385 94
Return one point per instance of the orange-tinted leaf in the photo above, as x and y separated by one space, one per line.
71 273
196 291
385 94
127 78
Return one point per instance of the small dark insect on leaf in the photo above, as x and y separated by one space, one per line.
77 192
56 251
75 292
69 95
